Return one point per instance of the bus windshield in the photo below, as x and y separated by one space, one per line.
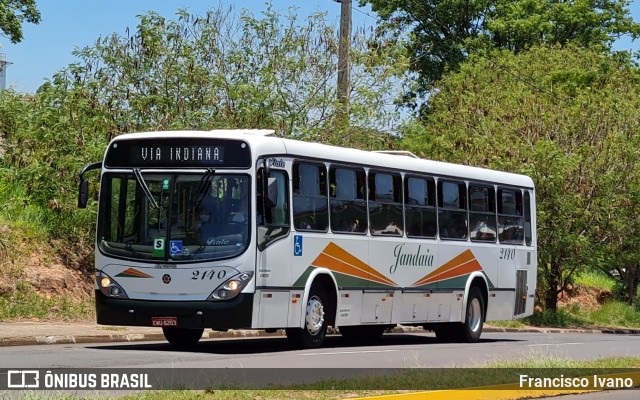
174 217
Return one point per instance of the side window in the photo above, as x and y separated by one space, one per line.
385 204
482 213
527 218
510 223
452 211
347 200
310 203
420 207
273 217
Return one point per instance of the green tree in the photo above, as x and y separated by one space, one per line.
572 126
13 13
191 72
205 71
442 34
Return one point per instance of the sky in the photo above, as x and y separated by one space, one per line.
73 24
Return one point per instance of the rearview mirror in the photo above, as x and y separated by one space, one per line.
83 194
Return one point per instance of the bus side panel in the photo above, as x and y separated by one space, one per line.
404 262
349 306
273 308
377 306
456 310
413 307
500 305
440 307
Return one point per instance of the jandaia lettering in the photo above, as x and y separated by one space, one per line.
410 259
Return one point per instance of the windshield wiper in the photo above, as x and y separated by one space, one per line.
145 188
204 185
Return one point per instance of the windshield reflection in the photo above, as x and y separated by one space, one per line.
176 217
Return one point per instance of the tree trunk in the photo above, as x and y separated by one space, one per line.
631 283
551 296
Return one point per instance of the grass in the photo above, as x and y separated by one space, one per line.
538 361
614 314
516 323
26 303
596 280
560 318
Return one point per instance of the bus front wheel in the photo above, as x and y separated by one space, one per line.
182 337
315 325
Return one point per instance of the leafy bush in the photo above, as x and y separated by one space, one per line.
554 318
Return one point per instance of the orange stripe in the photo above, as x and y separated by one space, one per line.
335 258
338 252
132 271
333 264
463 269
455 262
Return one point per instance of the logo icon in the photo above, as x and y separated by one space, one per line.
166 278
20 379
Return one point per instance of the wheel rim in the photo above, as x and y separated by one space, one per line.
475 315
315 315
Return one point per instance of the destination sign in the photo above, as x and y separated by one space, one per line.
180 153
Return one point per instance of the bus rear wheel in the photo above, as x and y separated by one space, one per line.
468 331
313 333
182 337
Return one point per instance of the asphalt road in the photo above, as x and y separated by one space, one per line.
392 351
270 359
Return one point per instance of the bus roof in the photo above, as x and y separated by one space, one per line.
264 142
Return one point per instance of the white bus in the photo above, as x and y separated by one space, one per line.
239 229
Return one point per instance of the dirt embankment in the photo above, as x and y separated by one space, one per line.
52 268
589 299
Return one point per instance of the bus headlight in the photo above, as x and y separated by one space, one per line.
232 287
109 287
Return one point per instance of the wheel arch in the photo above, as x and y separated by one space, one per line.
325 278
478 280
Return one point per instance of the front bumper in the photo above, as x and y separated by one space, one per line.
232 314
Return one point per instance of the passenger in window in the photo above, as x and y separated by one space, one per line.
205 225
482 231
355 226
360 188
392 229
304 224
241 216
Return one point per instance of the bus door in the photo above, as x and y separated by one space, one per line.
273 266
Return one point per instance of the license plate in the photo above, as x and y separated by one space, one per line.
164 321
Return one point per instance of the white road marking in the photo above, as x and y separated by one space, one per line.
552 344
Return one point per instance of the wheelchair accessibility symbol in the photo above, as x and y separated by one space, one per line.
175 247
297 245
